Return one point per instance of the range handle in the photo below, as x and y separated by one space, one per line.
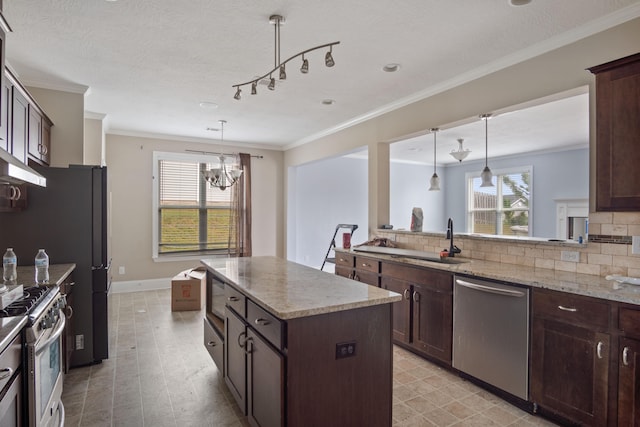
490 289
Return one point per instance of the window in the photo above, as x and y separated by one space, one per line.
190 217
505 208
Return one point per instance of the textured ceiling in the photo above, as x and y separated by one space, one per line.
148 64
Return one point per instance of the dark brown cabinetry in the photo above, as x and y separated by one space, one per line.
344 265
618 134
570 353
367 270
253 369
39 136
423 320
4 96
19 124
629 367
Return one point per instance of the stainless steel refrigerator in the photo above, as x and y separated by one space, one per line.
68 218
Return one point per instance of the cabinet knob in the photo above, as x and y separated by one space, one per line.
262 322
364 264
571 309
233 299
416 296
406 294
242 339
212 344
625 356
248 349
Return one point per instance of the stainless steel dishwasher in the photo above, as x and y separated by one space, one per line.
491 333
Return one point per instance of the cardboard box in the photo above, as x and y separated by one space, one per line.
187 290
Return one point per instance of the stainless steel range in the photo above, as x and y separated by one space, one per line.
44 306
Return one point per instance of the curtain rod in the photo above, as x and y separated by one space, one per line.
217 153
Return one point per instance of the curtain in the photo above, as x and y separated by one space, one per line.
240 224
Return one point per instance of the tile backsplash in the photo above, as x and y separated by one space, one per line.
607 252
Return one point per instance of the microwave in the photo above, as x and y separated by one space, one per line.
215 301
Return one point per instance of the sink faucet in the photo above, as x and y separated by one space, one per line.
453 249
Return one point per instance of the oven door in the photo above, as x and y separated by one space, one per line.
46 377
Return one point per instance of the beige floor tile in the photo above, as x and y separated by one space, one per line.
159 374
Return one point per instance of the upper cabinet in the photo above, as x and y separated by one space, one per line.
4 100
618 134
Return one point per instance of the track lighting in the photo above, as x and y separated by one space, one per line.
486 174
435 179
277 21
254 88
328 58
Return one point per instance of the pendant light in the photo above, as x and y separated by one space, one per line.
435 180
486 174
222 177
461 153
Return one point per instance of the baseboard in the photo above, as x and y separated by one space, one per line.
140 285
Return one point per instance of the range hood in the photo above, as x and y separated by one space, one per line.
12 171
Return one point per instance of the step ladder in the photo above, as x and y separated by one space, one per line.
332 245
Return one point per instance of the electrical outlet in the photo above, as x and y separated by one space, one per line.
571 256
635 245
121 269
79 342
345 349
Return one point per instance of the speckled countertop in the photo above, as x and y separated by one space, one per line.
582 284
289 290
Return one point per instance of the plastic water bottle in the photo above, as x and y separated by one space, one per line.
42 267
9 266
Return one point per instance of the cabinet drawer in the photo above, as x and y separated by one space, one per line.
569 308
367 264
344 260
214 343
367 277
235 300
267 325
344 272
629 322
10 358
441 280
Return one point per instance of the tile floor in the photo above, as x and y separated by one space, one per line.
159 374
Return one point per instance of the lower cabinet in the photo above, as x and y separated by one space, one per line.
629 382
265 385
423 319
235 362
214 343
254 372
570 354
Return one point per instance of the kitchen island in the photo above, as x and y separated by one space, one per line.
301 346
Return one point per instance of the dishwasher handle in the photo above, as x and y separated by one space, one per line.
490 289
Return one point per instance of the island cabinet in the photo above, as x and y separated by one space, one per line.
570 356
629 366
423 320
304 347
618 134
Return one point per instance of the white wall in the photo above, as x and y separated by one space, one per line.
130 186
327 193
549 73
410 188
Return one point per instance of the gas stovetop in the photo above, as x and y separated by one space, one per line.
26 303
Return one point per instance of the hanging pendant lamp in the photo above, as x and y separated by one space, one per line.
461 153
435 180
486 174
222 177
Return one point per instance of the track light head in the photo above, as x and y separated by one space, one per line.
328 58
254 88
305 65
283 73
237 96
272 84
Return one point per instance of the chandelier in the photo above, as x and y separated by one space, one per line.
460 154
222 177
278 66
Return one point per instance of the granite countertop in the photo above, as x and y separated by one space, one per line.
289 290
57 274
581 284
